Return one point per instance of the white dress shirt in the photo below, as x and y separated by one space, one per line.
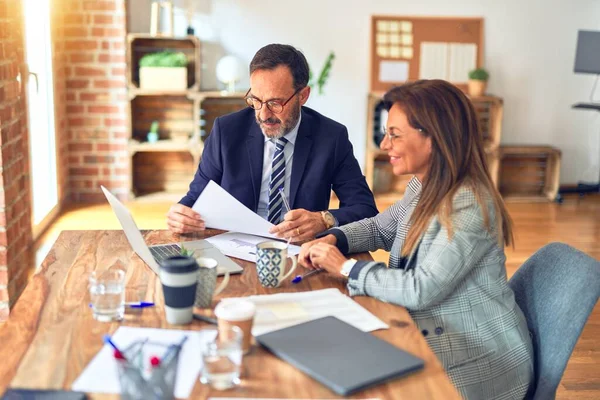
269 152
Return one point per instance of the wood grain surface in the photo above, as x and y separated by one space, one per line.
51 335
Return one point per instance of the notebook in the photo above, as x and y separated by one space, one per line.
338 355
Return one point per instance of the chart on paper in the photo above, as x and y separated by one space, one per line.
242 246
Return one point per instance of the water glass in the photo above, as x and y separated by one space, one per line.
222 357
107 293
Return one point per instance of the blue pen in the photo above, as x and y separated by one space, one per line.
135 304
139 304
299 278
171 347
118 352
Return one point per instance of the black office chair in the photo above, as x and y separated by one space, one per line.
557 289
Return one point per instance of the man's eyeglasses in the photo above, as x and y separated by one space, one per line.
394 136
275 106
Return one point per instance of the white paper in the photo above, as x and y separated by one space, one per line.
463 58
434 60
100 375
383 26
383 51
278 311
242 246
220 210
393 71
394 51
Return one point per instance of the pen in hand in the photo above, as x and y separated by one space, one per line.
286 205
299 278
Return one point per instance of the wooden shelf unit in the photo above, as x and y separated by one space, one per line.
168 165
529 173
138 45
377 168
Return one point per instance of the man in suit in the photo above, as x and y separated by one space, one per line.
275 147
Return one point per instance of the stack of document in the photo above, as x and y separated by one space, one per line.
278 311
220 210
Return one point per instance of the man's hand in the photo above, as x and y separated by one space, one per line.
304 256
182 219
300 225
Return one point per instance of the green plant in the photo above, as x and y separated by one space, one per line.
479 74
186 252
154 127
164 59
323 76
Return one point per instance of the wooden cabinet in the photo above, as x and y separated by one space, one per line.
184 119
378 172
529 173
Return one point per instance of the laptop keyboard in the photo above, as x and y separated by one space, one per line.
161 252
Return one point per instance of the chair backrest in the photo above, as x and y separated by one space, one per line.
557 288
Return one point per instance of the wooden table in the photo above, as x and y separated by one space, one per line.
51 335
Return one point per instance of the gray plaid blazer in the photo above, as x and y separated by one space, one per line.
455 290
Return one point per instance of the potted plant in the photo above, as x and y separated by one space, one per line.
152 135
165 70
478 82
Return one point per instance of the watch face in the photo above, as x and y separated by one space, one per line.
329 219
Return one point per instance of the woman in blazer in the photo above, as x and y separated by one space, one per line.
446 241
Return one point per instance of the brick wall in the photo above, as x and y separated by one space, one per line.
92 37
15 194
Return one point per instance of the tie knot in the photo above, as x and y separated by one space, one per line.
280 143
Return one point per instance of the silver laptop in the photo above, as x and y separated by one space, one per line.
152 255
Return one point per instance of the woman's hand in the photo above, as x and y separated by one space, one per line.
328 257
304 256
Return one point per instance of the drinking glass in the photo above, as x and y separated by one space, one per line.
107 294
222 357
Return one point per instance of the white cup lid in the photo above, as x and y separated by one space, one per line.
235 309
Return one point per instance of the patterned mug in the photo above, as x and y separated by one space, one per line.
271 260
207 281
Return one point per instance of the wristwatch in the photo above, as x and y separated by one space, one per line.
328 219
347 267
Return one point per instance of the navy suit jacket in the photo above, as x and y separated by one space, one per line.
323 160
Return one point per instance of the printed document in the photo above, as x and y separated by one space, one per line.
220 210
278 311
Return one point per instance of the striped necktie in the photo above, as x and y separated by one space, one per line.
277 181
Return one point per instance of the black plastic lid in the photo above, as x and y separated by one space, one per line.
179 264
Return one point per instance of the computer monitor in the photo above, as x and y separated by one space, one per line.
587 57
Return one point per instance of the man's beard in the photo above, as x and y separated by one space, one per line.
284 128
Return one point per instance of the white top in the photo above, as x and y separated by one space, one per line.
235 310
269 152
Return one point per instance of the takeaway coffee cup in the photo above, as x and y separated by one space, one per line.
179 278
236 312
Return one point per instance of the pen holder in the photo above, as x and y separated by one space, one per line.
140 380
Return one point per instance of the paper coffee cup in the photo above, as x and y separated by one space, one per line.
237 312
179 278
